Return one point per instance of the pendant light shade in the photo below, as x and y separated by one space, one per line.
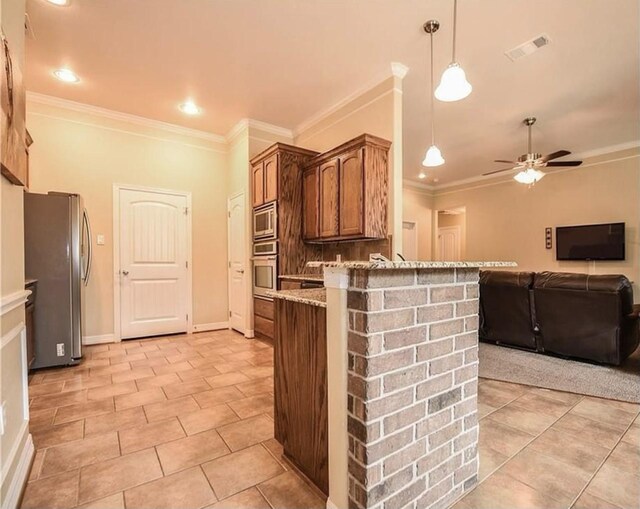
453 84
433 157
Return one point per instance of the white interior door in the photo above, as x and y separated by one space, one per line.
449 243
237 264
153 263
409 240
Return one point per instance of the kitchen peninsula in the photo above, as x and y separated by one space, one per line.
376 381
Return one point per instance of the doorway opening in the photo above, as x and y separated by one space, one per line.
450 242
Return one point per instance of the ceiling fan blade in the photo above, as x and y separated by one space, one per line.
505 161
498 171
564 163
555 155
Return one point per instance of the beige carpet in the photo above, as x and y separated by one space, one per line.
528 368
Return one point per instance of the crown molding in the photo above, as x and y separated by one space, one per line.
418 186
606 150
123 117
399 70
492 179
249 123
395 69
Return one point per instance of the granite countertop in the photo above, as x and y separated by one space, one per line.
303 277
311 296
411 265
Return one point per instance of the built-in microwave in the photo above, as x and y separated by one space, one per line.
265 222
265 275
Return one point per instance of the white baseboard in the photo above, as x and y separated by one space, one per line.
99 340
20 476
205 327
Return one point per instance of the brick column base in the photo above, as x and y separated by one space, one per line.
412 386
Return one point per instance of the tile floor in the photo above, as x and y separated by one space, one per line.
547 449
173 422
187 421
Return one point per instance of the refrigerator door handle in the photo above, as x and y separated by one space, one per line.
87 225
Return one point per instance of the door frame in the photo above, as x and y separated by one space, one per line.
458 230
248 270
117 330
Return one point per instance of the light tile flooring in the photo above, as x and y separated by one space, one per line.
173 422
187 421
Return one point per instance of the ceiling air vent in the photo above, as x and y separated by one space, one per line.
528 47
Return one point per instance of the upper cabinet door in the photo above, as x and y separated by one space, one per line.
310 203
258 184
271 178
329 194
352 193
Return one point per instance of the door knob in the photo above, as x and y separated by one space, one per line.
125 272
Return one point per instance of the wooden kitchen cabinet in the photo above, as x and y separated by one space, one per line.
310 189
277 175
271 178
350 192
257 177
300 389
329 195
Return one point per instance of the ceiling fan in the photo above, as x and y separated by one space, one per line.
528 165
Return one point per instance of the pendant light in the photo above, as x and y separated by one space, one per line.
453 84
433 157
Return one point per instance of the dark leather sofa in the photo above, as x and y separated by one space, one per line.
574 315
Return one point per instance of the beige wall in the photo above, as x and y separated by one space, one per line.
85 153
377 111
507 221
15 438
417 207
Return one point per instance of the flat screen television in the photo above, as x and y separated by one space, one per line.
590 242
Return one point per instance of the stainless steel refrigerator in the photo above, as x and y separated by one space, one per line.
58 254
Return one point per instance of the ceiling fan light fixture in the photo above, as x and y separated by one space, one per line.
453 84
433 157
529 176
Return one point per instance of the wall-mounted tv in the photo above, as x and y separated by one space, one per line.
590 242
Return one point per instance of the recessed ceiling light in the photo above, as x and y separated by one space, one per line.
66 75
59 2
190 108
422 175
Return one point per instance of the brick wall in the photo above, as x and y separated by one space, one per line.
412 386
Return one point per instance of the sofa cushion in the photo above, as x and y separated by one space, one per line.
505 308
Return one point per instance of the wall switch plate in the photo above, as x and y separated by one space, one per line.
547 237
3 418
60 349
100 239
